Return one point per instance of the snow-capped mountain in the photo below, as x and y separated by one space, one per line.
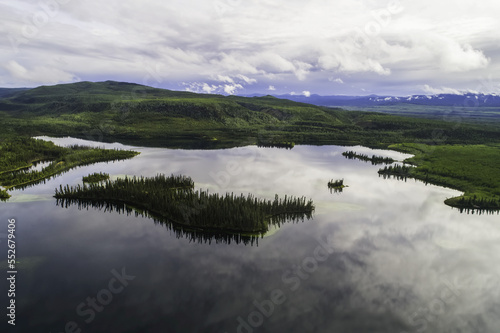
466 99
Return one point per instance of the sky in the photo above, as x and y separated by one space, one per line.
335 47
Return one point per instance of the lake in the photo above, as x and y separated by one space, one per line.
382 256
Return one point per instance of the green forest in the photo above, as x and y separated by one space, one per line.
96 177
18 155
374 159
173 199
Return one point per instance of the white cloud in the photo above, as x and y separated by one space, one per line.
232 88
258 43
306 93
462 58
224 78
38 74
436 91
337 80
246 79
272 88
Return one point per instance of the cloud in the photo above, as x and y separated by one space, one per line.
246 79
337 80
38 74
436 91
222 78
259 43
462 58
231 89
272 88
206 88
306 93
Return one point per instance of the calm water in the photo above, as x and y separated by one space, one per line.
383 256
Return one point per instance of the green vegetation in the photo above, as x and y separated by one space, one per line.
397 171
473 169
135 114
374 158
18 155
4 195
173 198
337 185
96 177
286 145
469 114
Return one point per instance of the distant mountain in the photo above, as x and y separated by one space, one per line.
468 99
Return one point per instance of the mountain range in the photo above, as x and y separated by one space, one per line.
466 99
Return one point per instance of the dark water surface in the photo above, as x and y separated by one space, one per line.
383 256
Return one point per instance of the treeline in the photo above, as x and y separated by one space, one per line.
96 177
18 153
398 171
174 199
374 159
63 159
474 203
271 144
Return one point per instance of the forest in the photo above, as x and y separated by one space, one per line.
374 159
17 156
95 177
174 200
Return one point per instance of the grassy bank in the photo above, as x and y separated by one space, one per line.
473 169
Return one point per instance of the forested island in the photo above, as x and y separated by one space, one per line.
336 185
174 199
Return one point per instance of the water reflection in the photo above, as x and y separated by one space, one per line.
401 260
181 231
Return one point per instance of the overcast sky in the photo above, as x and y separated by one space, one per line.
322 47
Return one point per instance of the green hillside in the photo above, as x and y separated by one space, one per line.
136 114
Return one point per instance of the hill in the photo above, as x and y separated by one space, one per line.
137 114
9 92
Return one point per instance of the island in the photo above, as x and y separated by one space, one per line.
174 199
